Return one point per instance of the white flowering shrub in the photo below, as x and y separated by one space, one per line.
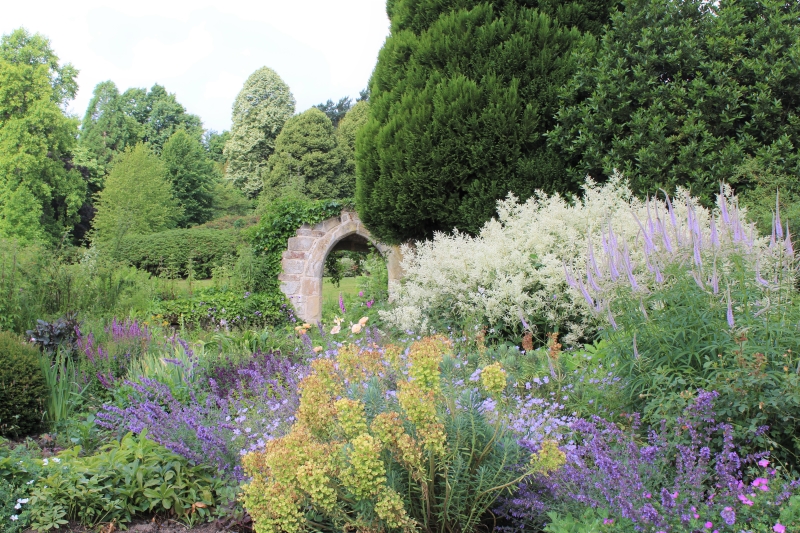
516 269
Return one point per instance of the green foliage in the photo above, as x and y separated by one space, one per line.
336 111
40 192
22 387
192 176
261 109
36 282
160 115
460 99
22 48
762 182
427 458
305 161
64 391
346 131
590 522
137 199
175 248
214 143
683 93
132 476
106 130
281 221
685 343
225 309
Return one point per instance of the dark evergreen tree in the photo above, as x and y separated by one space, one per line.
192 176
214 143
336 111
688 92
460 99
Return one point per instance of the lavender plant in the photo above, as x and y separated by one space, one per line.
246 405
675 481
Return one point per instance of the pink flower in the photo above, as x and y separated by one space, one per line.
744 500
763 463
761 483
609 521
709 525
778 528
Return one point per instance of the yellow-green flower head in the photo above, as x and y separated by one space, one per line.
352 418
493 378
548 459
365 476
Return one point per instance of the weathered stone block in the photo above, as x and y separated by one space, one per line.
293 266
299 244
290 288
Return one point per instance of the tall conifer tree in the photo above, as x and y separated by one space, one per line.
460 99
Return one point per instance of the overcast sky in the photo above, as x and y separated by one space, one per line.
203 51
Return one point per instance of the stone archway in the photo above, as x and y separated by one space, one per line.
304 260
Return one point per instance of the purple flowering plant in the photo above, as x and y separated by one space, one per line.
239 408
678 479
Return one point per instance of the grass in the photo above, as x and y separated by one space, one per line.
348 286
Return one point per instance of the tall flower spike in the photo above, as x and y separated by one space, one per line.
759 279
730 308
648 241
673 218
723 206
714 234
611 318
788 241
569 277
659 275
590 280
626 260
714 278
697 259
778 225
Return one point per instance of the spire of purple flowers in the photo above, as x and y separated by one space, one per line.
730 309
341 303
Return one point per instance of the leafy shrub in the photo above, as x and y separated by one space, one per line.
388 439
688 474
132 476
223 309
22 387
514 267
228 222
175 248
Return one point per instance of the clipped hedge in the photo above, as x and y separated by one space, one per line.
22 387
174 248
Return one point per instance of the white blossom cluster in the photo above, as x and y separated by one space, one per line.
516 267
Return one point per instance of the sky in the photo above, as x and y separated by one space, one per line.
204 50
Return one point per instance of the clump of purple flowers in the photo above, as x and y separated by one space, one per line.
685 474
246 405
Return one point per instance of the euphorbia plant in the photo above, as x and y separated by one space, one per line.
391 439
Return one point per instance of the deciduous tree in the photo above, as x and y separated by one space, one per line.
137 198
192 176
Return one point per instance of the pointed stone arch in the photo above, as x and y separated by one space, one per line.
304 259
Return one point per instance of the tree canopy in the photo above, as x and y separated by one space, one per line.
460 100
261 109
107 129
40 190
137 198
306 160
21 48
686 93
192 176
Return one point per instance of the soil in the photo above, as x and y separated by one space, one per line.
153 525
